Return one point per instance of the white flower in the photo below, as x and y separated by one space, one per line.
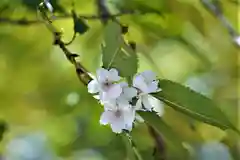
127 92
157 106
119 114
146 83
105 84
48 5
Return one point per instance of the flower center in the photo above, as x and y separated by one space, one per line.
106 85
118 113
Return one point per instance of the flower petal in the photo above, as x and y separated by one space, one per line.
146 103
123 84
129 116
153 87
110 105
113 75
138 105
139 83
117 128
149 76
114 91
158 106
93 86
118 125
129 92
102 75
105 118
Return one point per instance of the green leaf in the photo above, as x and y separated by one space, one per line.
187 12
193 104
79 25
170 137
116 53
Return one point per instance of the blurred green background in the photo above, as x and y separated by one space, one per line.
49 113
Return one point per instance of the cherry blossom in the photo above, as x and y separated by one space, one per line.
119 114
146 83
106 84
121 101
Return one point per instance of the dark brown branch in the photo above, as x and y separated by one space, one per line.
26 22
82 73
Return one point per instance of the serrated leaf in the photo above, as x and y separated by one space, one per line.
116 53
189 102
170 137
112 40
79 25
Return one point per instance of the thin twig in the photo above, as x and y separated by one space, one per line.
82 73
73 38
26 22
216 9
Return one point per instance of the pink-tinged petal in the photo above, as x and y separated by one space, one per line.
147 105
138 82
149 76
129 93
104 97
110 105
106 118
102 75
113 75
93 86
153 87
129 116
116 128
118 125
114 91
122 103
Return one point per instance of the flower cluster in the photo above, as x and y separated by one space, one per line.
120 100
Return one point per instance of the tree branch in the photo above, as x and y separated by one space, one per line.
27 22
216 9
